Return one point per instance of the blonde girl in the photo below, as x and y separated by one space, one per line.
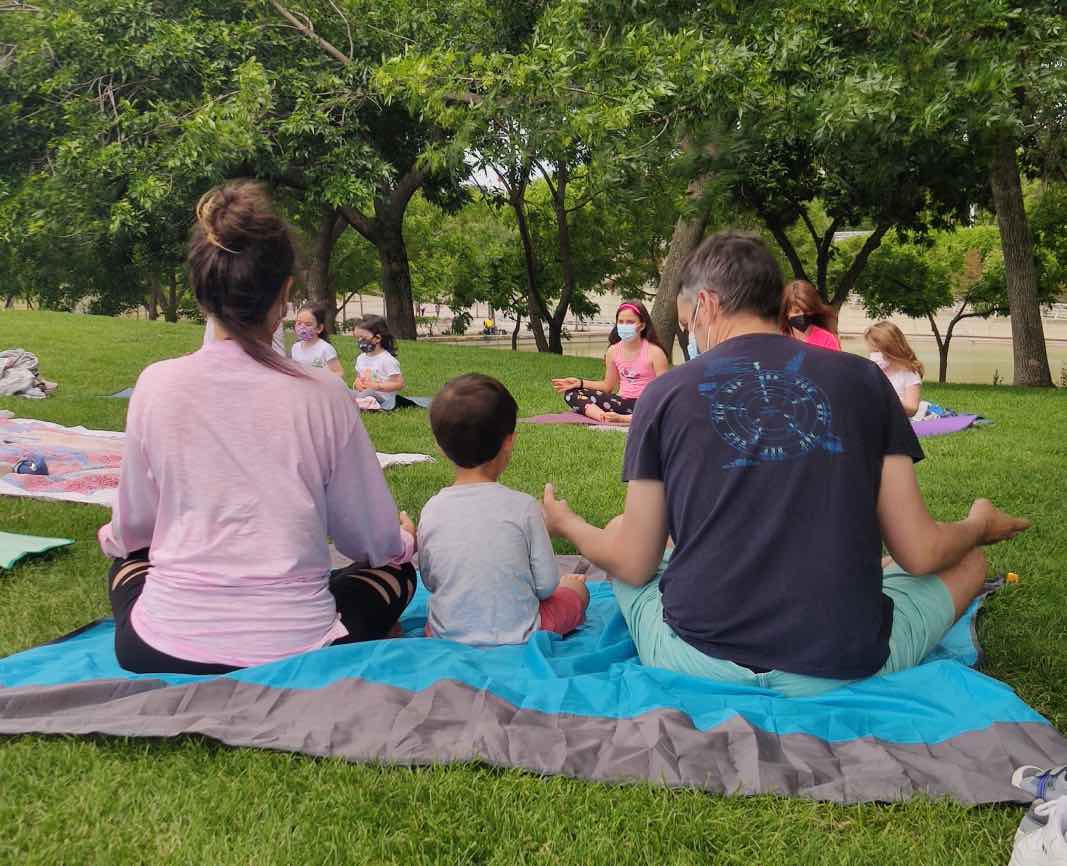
890 350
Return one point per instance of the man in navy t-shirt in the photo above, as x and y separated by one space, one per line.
779 470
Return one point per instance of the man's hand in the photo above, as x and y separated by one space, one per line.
557 513
996 525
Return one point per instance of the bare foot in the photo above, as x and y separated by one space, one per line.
577 583
595 412
616 418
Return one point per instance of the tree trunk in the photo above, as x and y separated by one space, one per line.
851 276
396 279
781 237
320 287
942 356
9 302
688 233
152 307
537 326
566 258
555 336
534 308
170 305
515 332
1020 270
942 347
386 231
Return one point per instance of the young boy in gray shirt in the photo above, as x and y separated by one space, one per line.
484 552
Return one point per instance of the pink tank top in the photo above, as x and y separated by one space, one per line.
634 375
817 336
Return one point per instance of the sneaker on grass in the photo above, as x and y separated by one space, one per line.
1047 844
1042 785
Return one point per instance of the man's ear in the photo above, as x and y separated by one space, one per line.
711 304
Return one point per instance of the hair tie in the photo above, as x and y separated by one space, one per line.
209 235
204 209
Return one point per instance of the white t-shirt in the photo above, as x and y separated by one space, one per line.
380 366
902 380
317 354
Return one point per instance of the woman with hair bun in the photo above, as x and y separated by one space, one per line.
805 316
219 532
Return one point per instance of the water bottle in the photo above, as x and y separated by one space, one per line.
32 464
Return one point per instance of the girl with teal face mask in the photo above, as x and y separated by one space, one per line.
634 359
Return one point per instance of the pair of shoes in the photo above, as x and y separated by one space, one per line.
1041 839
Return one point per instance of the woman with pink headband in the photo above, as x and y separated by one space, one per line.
635 358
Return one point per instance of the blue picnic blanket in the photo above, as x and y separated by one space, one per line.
581 706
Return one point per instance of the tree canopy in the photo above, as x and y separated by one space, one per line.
533 154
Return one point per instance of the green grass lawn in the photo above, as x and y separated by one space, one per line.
116 801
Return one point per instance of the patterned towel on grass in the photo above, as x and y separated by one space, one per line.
83 464
580 706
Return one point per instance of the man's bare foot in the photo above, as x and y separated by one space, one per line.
595 413
577 583
616 418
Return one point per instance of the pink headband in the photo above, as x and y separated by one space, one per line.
626 307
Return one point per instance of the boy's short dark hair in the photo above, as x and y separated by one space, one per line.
471 416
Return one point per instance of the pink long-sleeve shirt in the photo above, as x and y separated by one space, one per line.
234 475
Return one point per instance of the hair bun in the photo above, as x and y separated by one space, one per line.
231 216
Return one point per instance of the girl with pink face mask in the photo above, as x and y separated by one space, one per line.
312 347
634 359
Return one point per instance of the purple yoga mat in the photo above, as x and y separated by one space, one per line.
559 418
934 427
943 426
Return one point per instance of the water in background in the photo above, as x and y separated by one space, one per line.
973 361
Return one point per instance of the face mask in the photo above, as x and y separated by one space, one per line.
694 349
626 332
799 322
366 346
305 333
880 360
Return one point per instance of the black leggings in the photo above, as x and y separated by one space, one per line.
369 600
579 398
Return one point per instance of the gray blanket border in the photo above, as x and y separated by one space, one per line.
451 722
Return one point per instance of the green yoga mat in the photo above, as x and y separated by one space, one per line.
13 547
